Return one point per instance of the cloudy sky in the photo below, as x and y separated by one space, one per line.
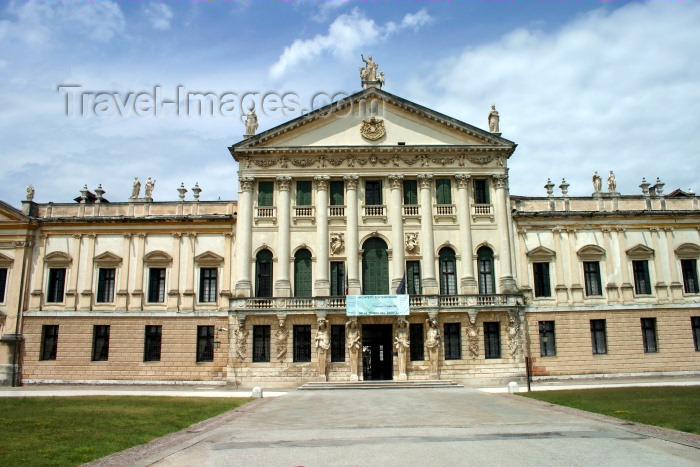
580 86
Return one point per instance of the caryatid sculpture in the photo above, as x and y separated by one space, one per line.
432 343
401 343
323 343
354 344
282 335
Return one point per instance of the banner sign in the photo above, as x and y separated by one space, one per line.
376 305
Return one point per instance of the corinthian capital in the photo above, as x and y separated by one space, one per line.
462 180
322 182
425 180
351 181
246 183
283 182
395 181
500 181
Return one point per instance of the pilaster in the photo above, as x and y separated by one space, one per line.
352 234
398 258
283 286
429 282
322 285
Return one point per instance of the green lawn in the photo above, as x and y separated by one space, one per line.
670 407
74 430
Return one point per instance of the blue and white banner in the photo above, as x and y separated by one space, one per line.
376 305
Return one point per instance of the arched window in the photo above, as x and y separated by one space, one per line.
448 272
485 264
375 267
302 273
263 274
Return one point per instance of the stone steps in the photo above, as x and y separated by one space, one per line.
417 384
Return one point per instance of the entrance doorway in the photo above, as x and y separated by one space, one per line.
377 352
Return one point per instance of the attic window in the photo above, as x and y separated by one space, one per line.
402 143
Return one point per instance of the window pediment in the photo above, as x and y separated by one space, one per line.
208 258
541 254
592 253
159 258
688 251
107 259
58 259
5 261
640 252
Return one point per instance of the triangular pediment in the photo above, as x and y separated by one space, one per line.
640 252
5 261
541 253
107 258
10 214
208 258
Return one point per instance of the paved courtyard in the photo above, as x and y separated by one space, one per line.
420 427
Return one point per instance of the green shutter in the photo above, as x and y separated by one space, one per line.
337 193
265 193
304 193
413 286
410 192
302 273
375 268
444 191
481 191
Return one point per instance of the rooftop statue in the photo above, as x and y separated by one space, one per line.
251 122
597 183
30 193
150 185
136 188
369 75
494 120
612 182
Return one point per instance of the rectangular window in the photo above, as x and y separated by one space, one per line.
49 342
207 285
156 285
443 191
689 267
57 282
265 193
205 343
410 192
492 340
100 343
152 343
302 343
591 276
417 346
337 193
337 343
598 337
373 192
649 335
481 191
304 193
3 283
695 323
448 276
541 273
105 285
548 346
261 343
453 342
642 284
337 278
413 285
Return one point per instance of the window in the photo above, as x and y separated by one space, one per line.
695 323
302 273
49 342
548 346
443 191
265 193
413 286
448 279
481 191
417 346
207 285
261 343
100 343
541 273
57 281
337 343
649 335
373 192
304 193
598 338
263 274
302 343
156 285
485 264
205 343
492 340
3 283
152 343
689 268
105 285
410 192
337 278
642 284
337 188
591 276
453 342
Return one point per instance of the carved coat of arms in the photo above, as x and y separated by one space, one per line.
372 128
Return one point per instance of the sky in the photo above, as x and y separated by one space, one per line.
581 86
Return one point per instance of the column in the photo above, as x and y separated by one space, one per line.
123 290
137 294
244 236
506 281
322 285
72 292
468 283
38 287
430 284
174 292
283 287
86 294
352 235
661 286
395 217
188 295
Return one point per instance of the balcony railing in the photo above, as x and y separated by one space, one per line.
445 209
482 209
336 211
411 210
378 210
303 211
265 212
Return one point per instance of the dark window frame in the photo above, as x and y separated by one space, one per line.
695 326
689 270
492 340
266 190
337 193
3 283
49 342
100 343
417 341
649 335
156 285
453 341
599 338
642 279
592 279
205 344
152 343
373 192
303 193
263 274
448 272
540 274
548 343
337 343
106 281
337 279
443 191
486 271
301 336
413 278
208 284
410 192
57 285
481 191
261 343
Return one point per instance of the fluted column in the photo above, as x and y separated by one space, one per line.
352 246
430 284
322 284
244 236
468 283
283 287
398 262
506 281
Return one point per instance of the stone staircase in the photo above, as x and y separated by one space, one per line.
415 384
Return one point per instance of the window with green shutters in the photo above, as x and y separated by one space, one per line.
337 192
265 193
481 191
337 278
443 191
302 273
304 193
373 192
410 192
375 267
413 286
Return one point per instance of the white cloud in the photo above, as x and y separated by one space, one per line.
326 8
345 36
160 15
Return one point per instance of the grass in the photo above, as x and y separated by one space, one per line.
669 407
74 430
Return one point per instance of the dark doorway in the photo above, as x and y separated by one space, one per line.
377 352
